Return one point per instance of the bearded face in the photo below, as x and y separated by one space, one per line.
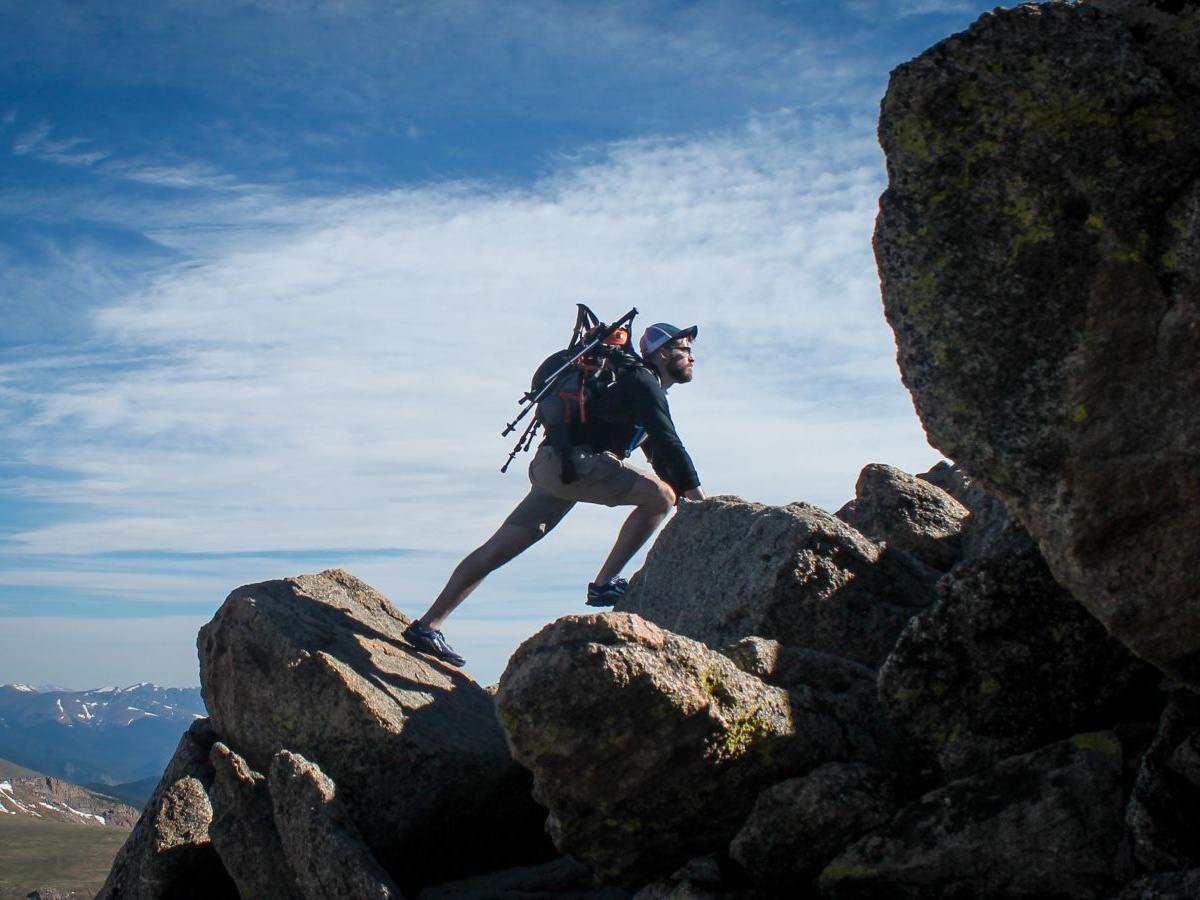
678 362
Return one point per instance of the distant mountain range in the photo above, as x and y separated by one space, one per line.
104 738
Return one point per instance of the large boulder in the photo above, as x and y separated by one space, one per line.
1006 661
648 748
1167 886
726 569
243 829
320 841
1039 251
286 834
1045 825
797 826
169 852
909 513
989 529
1166 793
837 688
316 665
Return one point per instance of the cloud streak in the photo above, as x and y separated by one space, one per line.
271 315
374 347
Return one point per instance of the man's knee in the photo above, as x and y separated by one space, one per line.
660 496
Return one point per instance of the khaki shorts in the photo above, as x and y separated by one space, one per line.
599 478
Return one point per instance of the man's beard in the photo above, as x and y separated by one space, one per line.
679 371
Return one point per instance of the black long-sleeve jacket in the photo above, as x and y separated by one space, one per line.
637 400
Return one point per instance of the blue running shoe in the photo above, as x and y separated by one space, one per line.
607 594
430 640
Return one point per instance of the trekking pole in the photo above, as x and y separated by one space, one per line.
522 444
531 398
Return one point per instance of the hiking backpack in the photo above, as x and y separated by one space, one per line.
568 379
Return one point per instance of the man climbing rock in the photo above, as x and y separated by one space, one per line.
632 412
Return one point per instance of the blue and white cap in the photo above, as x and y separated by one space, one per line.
661 334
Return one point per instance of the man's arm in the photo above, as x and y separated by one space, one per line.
667 454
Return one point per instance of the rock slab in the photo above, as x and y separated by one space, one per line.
909 513
1044 825
1004 662
1039 251
169 852
649 748
316 665
725 569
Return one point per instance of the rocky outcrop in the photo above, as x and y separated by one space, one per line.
673 714
1043 825
909 513
1005 662
661 766
405 739
335 761
1039 250
810 580
799 825
784 706
169 852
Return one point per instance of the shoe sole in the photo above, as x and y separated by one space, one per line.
457 663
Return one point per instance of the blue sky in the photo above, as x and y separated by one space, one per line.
273 276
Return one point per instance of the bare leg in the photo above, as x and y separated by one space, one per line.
652 500
508 542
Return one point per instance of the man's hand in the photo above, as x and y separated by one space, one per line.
696 493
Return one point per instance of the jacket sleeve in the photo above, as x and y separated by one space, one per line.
666 452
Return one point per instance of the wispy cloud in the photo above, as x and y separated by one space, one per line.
902 8
271 314
65 151
182 176
372 351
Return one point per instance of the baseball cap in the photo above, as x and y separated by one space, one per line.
661 334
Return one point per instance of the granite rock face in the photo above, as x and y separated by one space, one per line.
317 665
909 513
169 852
649 748
1004 662
1038 246
798 826
810 580
1047 824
